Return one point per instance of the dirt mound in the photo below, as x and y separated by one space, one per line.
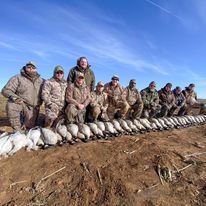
122 171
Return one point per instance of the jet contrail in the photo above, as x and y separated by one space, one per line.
165 10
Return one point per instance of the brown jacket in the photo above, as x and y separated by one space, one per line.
25 88
76 94
166 98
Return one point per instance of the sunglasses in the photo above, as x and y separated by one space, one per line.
30 67
60 72
152 85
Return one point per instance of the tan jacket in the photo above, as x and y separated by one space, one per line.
189 94
76 94
53 92
115 94
99 99
132 96
23 87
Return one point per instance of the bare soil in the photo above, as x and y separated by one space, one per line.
122 171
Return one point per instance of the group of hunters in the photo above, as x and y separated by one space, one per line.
78 100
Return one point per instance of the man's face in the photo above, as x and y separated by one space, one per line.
30 68
100 88
152 87
132 84
115 82
168 89
83 63
178 91
59 75
191 88
80 81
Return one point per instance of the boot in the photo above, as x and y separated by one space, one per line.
48 123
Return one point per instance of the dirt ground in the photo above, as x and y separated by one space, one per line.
121 171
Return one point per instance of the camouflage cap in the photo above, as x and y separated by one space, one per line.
133 81
192 85
31 63
168 85
178 88
115 77
100 84
58 68
79 75
152 83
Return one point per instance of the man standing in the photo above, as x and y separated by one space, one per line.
53 95
99 103
118 105
179 104
78 98
24 97
191 97
150 100
166 100
134 100
84 68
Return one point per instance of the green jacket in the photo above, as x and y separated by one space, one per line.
149 98
88 76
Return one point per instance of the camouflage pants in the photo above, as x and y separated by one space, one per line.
21 115
150 112
164 111
179 111
187 110
96 112
52 114
73 114
120 107
135 111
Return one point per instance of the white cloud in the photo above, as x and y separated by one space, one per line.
165 10
71 30
8 46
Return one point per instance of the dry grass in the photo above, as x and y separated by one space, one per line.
2 105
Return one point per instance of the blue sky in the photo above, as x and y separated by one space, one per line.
147 40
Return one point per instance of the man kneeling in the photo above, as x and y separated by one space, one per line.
99 103
78 97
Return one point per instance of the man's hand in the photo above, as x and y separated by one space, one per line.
104 109
81 106
19 101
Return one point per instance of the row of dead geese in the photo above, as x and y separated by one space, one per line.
39 137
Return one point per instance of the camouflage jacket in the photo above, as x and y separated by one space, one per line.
76 94
25 88
179 99
115 94
166 98
188 94
99 99
53 92
149 98
88 76
132 96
